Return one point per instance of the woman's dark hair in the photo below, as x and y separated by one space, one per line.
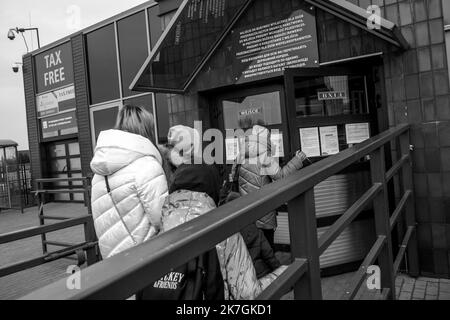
137 120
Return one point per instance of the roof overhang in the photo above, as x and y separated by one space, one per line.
144 80
5 143
359 17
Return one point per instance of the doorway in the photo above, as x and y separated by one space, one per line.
64 161
263 105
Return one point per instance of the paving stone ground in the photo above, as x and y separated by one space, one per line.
17 285
422 288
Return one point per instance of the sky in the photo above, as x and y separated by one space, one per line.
55 19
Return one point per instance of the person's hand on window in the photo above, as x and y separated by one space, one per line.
300 154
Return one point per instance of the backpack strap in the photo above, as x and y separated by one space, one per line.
108 189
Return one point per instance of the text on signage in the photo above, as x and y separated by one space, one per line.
56 75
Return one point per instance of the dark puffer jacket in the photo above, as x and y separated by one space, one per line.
260 250
262 254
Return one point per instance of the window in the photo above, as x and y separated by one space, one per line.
133 48
103 119
145 101
154 23
331 96
196 29
102 61
265 107
165 19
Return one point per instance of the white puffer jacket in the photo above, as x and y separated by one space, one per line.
138 186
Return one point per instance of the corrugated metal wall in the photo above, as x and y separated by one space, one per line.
333 196
352 245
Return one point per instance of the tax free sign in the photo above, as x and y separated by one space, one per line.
54 68
54 80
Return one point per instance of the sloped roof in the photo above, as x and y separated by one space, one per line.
156 76
7 143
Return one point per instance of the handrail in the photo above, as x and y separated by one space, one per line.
70 249
35 231
122 275
70 189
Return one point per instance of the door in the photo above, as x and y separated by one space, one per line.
5 194
64 162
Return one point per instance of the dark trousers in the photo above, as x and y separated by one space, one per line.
270 235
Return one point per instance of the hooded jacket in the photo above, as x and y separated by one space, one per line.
258 168
236 266
131 213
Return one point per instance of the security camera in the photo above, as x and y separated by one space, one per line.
15 67
11 35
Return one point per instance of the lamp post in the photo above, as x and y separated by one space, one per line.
12 36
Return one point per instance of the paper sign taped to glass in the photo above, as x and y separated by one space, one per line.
231 146
357 132
310 143
276 144
329 140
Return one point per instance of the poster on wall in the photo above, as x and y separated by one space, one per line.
264 50
357 132
310 143
329 140
56 101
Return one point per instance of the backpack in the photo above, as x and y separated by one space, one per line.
198 279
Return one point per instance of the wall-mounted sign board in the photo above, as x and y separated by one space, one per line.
54 68
266 49
331 95
58 122
56 101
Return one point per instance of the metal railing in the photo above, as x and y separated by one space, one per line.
42 192
86 251
126 273
89 246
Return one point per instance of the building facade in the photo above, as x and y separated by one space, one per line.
313 69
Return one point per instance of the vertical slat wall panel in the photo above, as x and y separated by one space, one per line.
32 121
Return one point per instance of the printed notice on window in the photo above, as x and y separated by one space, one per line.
357 132
231 145
329 140
276 144
309 139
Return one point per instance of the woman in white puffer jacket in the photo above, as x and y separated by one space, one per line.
128 164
